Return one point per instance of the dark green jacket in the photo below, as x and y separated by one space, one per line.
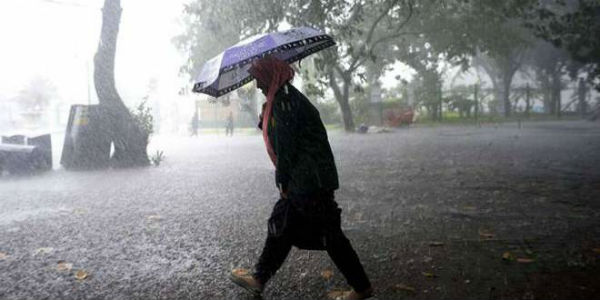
305 162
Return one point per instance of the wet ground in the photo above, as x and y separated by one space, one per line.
444 212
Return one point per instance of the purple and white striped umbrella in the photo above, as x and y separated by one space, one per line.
229 70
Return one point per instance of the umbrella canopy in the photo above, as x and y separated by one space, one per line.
229 70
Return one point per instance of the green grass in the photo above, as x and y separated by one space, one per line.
453 118
449 118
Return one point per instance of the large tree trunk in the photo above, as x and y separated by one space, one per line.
527 100
501 72
440 102
375 115
546 89
506 99
506 83
129 140
346 114
342 97
581 95
556 93
476 100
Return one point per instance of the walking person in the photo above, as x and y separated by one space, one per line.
306 215
229 125
195 123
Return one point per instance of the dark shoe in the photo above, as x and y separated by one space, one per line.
351 295
243 278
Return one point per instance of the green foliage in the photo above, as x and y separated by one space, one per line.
37 95
573 26
212 26
359 102
372 35
142 117
157 158
426 91
329 111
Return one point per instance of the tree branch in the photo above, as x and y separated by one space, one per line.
397 34
353 64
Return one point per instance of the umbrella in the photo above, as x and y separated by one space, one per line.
229 70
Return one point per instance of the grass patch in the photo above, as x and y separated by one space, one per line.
452 118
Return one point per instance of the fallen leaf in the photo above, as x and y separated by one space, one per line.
404 287
429 275
327 274
79 211
81 275
43 250
485 234
3 256
436 244
64 266
597 250
507 256
154 217
525 260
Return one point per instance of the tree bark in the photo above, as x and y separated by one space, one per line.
375 116
476 100
129 140
581 95
506 83
527 100
556 91
441 99
342 97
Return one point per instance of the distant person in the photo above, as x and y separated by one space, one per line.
229 124
195 124
306 215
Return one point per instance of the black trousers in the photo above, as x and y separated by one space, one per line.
309 222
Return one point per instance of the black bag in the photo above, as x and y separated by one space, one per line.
279 218
305 220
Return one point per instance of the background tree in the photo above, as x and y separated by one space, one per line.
212 26
572 25
359 27
426 35
37 95
353 23
248 102
501 42
549 65
129 138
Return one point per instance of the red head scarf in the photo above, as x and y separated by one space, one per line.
272 73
